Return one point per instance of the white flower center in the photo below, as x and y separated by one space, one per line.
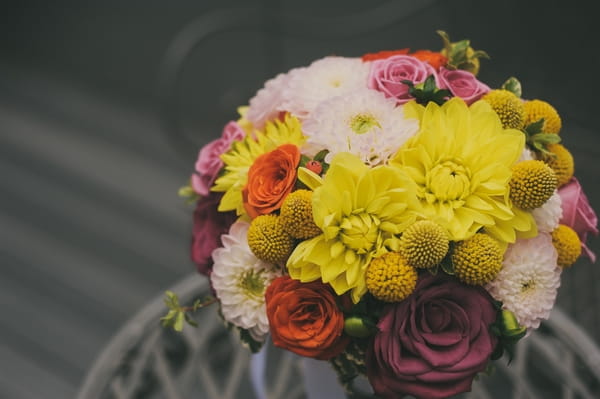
252 283
363 123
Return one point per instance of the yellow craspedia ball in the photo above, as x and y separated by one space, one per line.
424 244
477 260
508 106
562 163
567 244
532 184
538 109
390 278
297 216
268 240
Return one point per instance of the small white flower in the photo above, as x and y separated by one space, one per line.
362 122
323 79
548 215
240 279
529 279
264 106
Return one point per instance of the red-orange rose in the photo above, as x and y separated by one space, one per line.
434 59
304 318
270 179
383 54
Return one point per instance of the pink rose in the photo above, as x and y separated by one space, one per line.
209 225
386 76
462 84
209 161
578 214
432 344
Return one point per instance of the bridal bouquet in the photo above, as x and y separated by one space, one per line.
391 214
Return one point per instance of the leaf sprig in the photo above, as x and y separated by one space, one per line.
178 315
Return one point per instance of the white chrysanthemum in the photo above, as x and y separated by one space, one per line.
363 123
264 106
240 279
323 79
548 215
529 279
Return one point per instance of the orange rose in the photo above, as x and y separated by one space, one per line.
434 59
304 318
270 179
383 54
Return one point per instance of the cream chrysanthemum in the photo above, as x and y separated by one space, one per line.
264 106
363 123
461 161
240 279
323 79
529 279
547 216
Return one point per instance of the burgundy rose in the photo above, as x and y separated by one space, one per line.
432 344
462 84
578 214
386 76
209 225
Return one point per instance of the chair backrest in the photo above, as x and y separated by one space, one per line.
144 360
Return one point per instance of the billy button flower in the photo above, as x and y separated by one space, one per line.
535 110
561 162
532 184
390 278
424 244
567 244
296 215
508 106
268 239
477 260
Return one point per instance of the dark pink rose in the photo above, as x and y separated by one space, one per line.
462 84
209 161
209 225
386 76
578 214
432 344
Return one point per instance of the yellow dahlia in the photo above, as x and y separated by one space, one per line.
361 212
243 154
461 161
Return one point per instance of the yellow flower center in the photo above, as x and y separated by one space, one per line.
447 181
252 284
363 123
360 232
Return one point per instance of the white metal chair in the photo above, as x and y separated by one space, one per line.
145 360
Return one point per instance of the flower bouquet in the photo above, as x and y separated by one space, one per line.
391 214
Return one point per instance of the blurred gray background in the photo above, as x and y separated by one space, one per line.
91 225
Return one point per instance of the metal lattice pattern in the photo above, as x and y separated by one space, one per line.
146 361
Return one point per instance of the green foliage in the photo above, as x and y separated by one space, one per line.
427 91
189 194
509 332
537 140
179 315
513 85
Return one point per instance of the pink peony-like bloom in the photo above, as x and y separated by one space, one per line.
462 84
209 225
432 344
386 76
578 214
209 159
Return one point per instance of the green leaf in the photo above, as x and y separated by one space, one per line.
247 339
179 319
448 268
321 155
534 127
190 321
513 85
